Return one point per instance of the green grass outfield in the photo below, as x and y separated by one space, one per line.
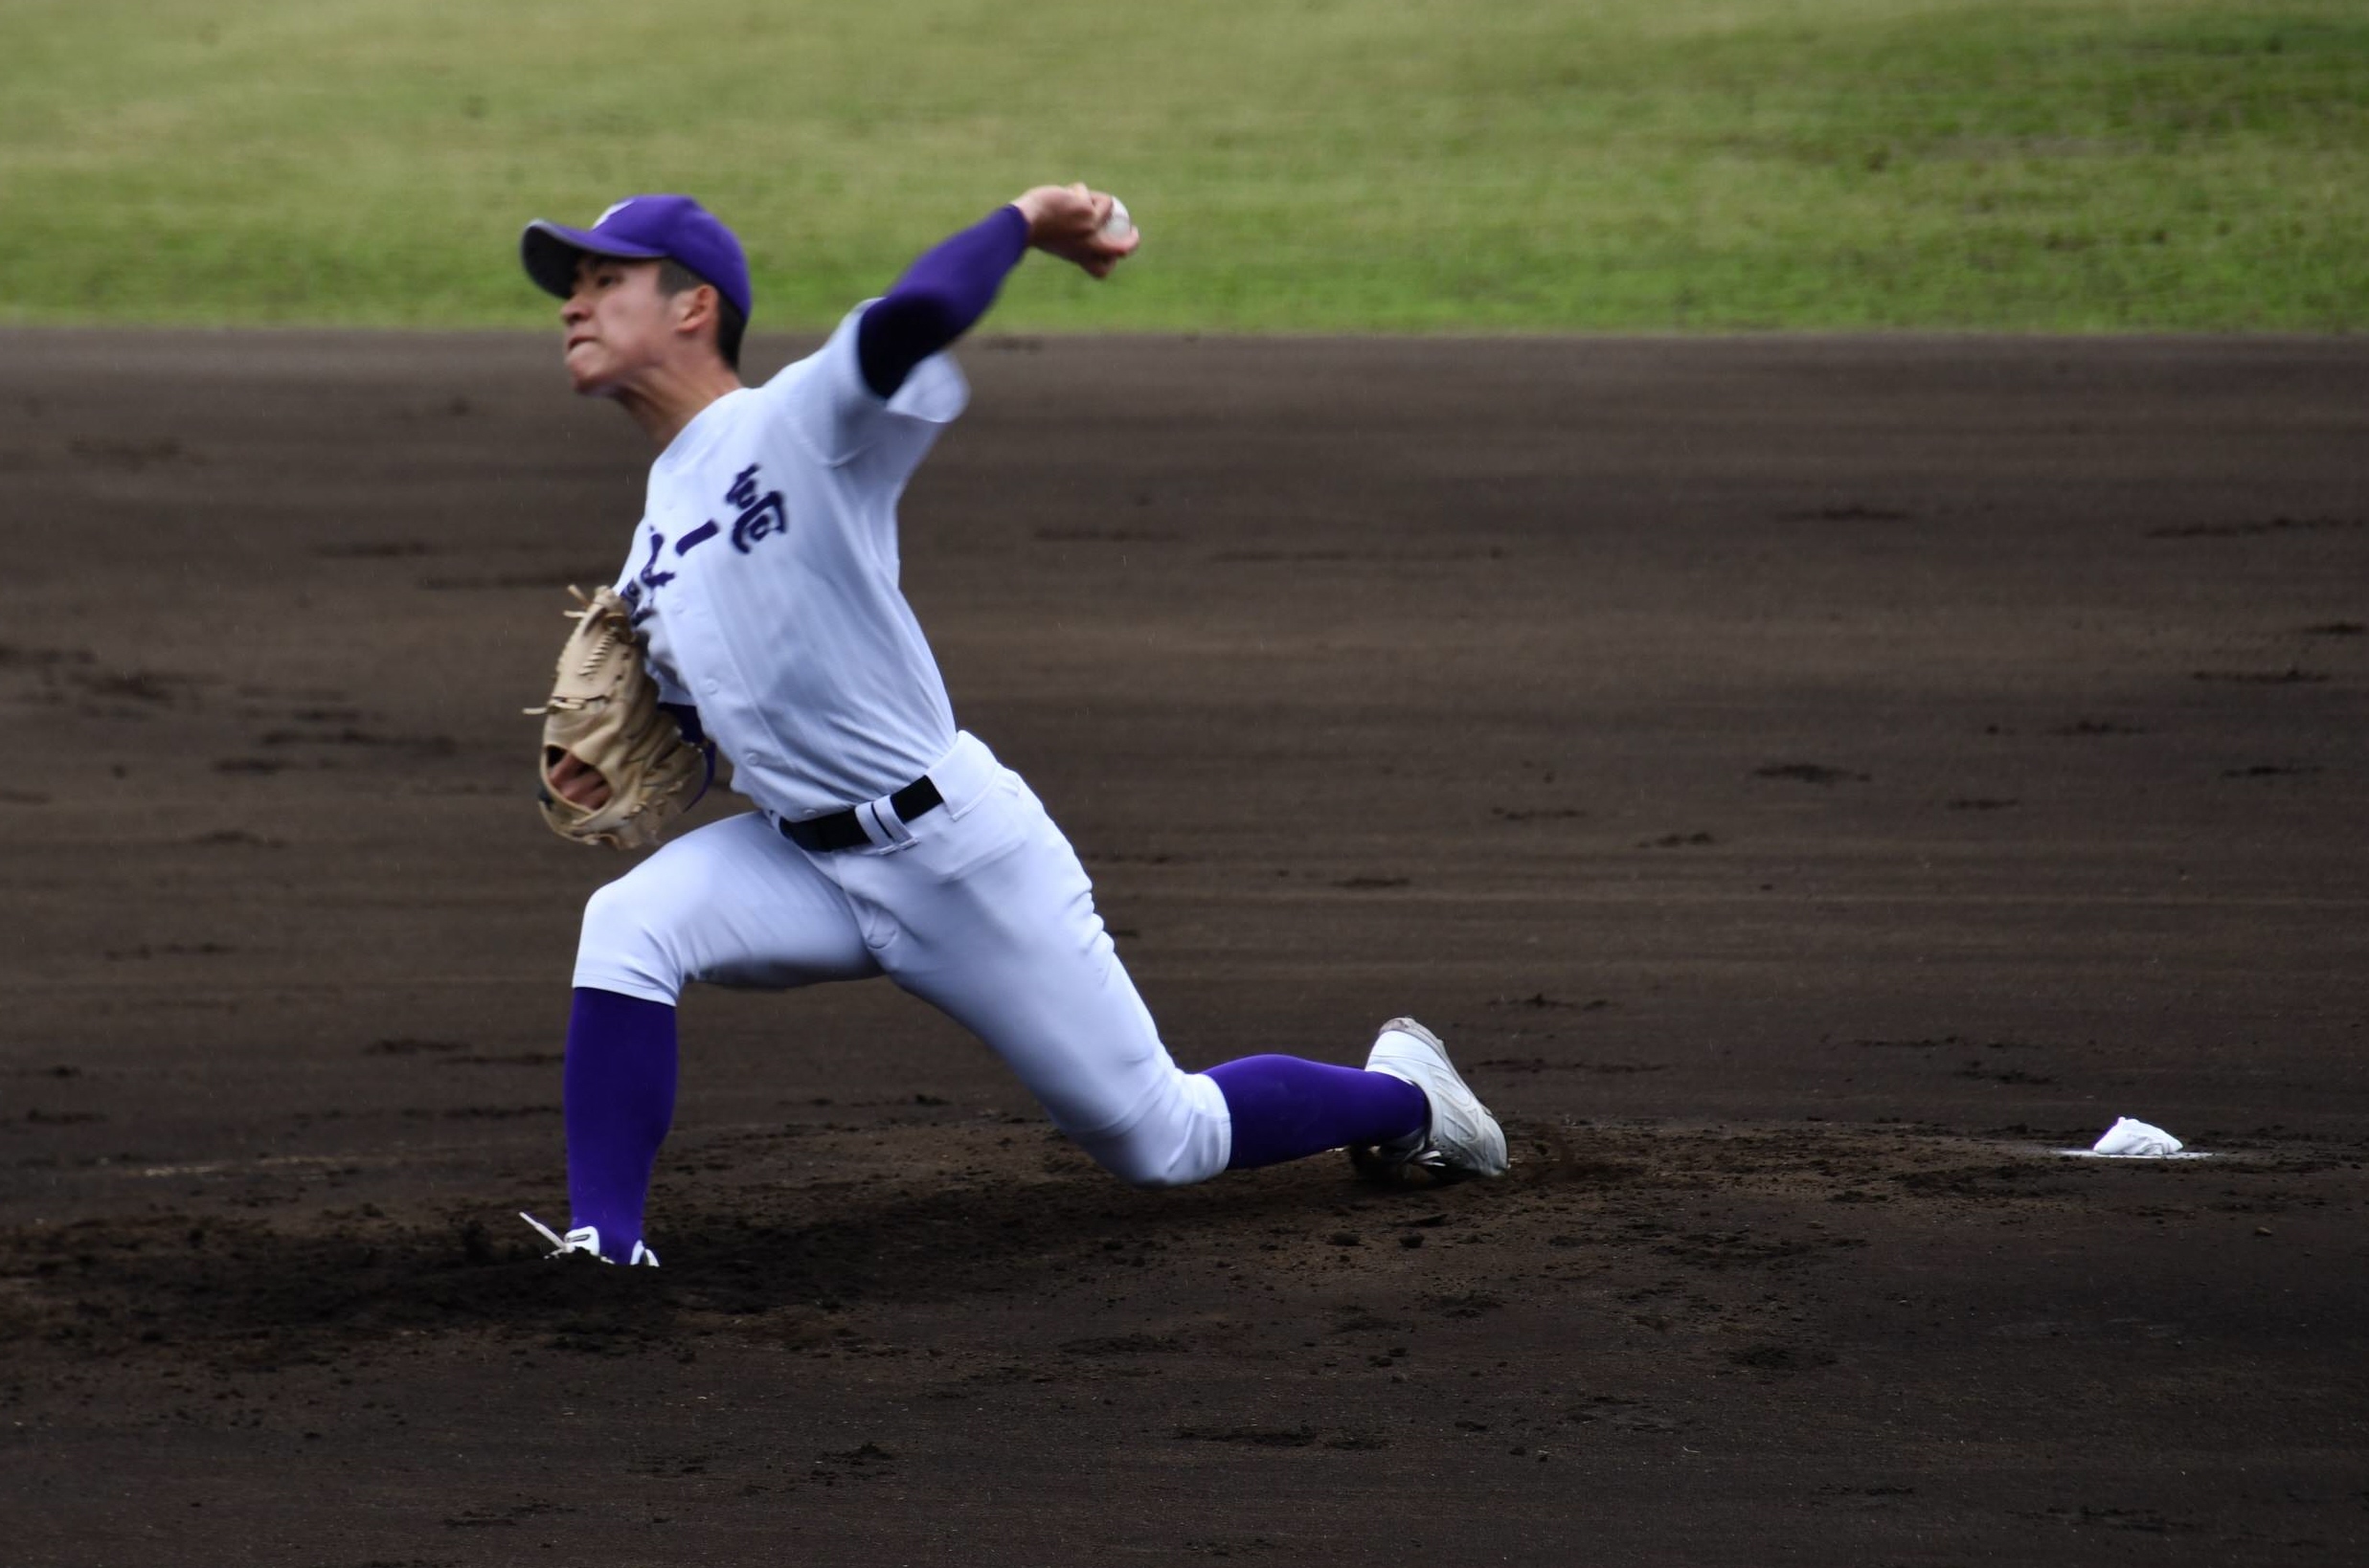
1295 165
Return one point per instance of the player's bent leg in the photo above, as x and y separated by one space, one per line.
732 904
1067 1021
987 915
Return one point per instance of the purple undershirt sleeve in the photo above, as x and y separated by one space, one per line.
944 291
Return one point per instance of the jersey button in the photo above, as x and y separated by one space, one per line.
710 686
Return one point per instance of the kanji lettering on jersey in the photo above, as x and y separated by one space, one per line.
759 515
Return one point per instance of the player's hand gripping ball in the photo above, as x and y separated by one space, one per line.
1089 228
603 719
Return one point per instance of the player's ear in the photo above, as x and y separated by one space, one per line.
695 309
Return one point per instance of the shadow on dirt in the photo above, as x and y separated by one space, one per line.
173 1282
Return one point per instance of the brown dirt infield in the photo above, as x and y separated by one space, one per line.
1806 781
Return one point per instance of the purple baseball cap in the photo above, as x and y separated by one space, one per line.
640 228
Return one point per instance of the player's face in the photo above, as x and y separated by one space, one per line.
616 323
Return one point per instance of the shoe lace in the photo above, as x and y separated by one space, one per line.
562 1246
590 1242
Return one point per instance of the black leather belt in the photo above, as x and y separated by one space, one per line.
845 830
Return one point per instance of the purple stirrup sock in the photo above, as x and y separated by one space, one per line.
620 1091
1284 1106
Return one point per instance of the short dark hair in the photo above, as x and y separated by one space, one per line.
674 277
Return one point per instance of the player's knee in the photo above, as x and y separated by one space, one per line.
1141 1166
609 920
621 950
1181 1140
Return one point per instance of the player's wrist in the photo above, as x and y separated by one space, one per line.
1043 209
1030 206
1026 220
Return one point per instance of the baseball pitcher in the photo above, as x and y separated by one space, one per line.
759 617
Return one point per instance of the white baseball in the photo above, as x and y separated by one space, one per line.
1119 224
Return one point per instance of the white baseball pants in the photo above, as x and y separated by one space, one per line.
979 907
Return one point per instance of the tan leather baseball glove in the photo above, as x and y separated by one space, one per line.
604 712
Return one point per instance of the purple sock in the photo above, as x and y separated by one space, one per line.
620 1091
1284 1106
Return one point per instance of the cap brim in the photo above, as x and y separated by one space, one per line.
550 251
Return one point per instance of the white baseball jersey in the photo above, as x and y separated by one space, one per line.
764 574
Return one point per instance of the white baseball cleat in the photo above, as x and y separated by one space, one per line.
1462 1139
586 1239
